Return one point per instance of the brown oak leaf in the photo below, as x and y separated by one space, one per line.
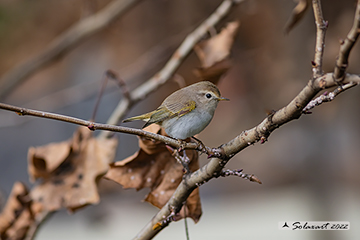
214 53
153 166
69 171
19 214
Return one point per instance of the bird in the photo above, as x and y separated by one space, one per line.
186 112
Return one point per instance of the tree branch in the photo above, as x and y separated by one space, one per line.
97 126
226 151
342 60
63 43
288 113
328 97
321 27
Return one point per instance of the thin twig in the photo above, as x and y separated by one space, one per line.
97 126
186 224
100 94
113 75
321 27
342 60
327 97
239 173
183 160
171 66
60 45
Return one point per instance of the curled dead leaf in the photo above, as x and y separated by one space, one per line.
213 73
218 47
214 53
153 166
70 181
55 153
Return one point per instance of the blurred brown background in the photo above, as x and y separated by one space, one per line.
309 167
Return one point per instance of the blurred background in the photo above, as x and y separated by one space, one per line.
309 167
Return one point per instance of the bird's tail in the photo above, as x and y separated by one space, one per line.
145 117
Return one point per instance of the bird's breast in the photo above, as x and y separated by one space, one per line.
187 125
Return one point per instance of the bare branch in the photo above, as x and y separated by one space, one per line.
342 60
239 173
97 126
328 97
60 45
321 27
113 75
288 113
100 94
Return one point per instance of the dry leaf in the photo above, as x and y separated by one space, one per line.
214 53
217 48
69 171
55 153
297 14
18 215
153 166
214 73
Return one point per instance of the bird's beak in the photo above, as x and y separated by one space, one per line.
223 99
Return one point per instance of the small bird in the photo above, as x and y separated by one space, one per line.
185 112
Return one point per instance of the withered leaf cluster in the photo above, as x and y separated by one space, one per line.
154 167
67 175
70 170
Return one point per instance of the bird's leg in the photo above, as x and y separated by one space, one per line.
202 148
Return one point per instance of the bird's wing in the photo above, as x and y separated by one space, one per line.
180 108
158 115
169 110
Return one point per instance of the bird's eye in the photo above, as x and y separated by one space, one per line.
208 95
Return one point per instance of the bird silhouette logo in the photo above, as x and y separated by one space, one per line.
285 225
